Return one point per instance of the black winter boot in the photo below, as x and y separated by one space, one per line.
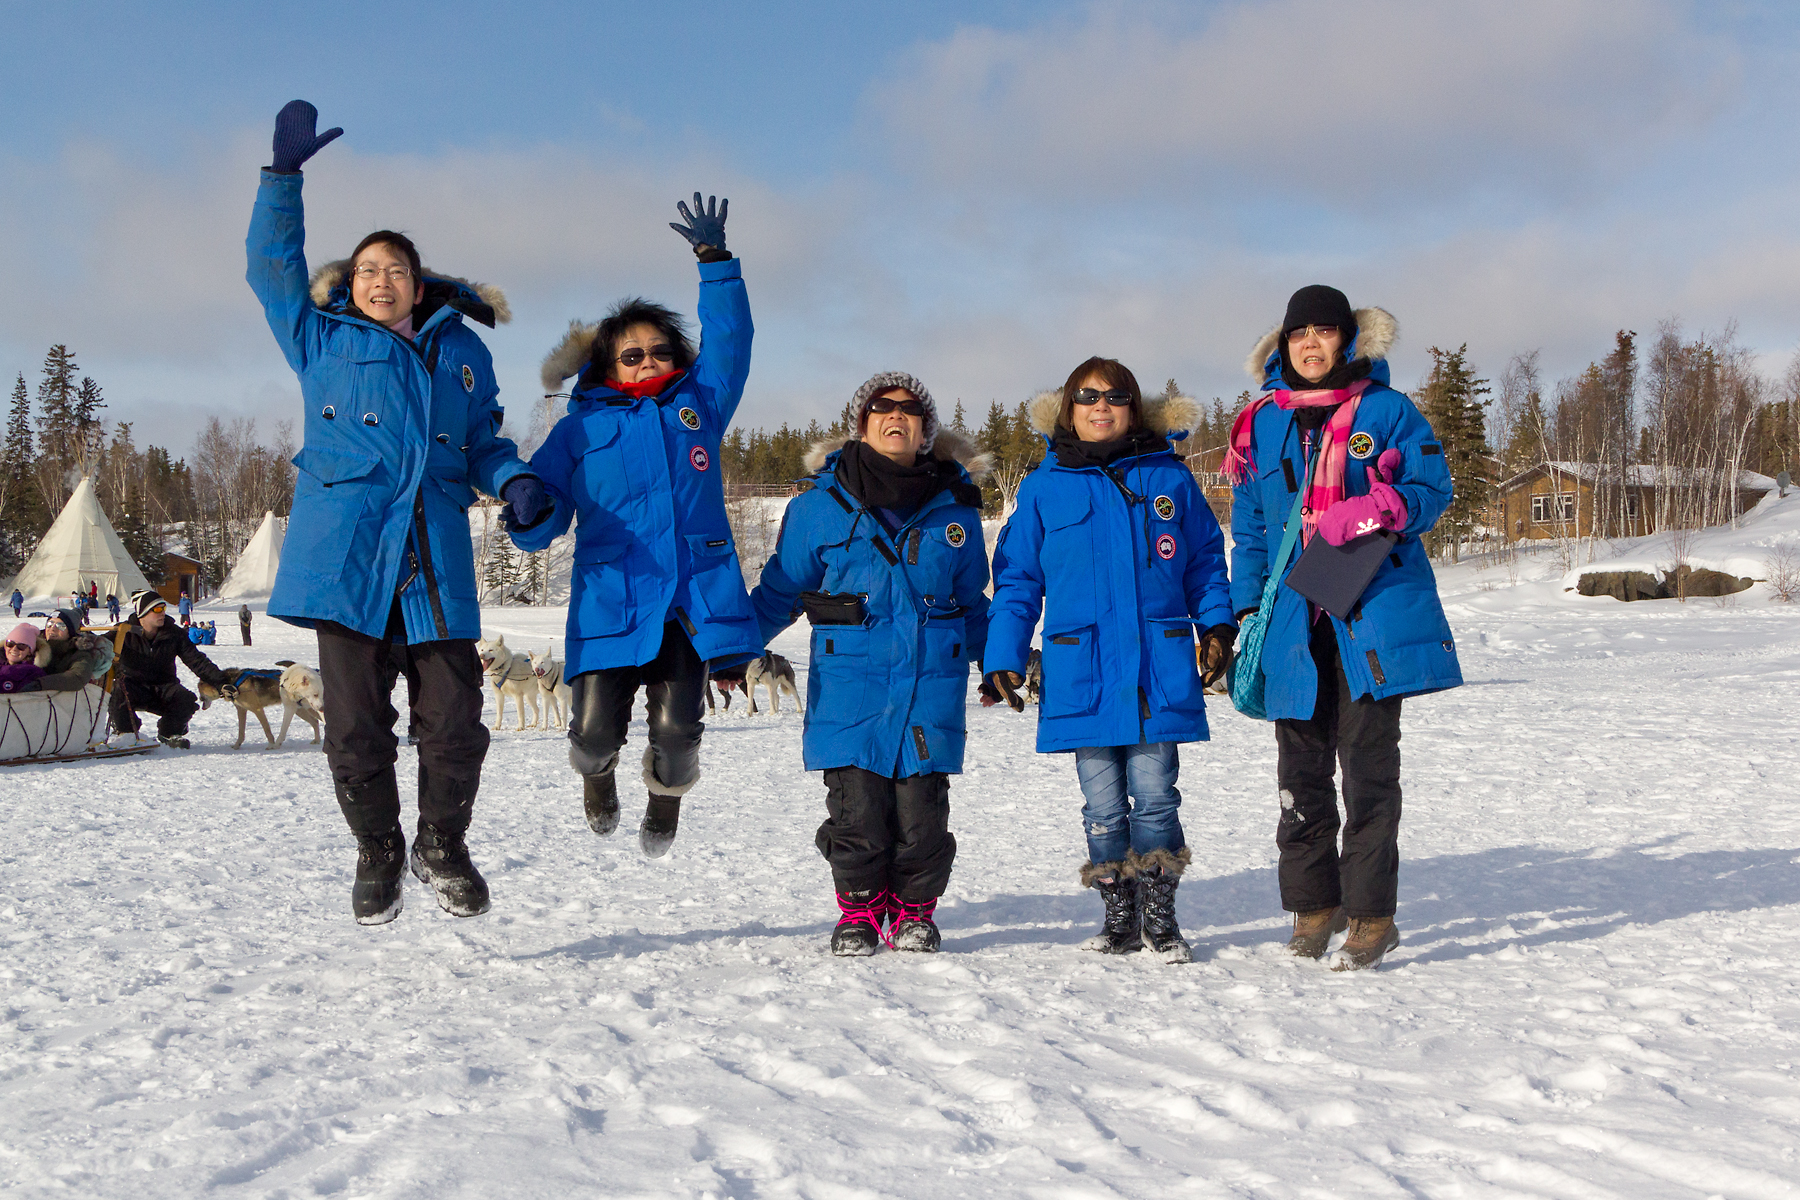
858 933
1158 874
661 817
441 859
912 925
1120 934
380 863
600 800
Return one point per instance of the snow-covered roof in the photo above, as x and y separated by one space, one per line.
1644 475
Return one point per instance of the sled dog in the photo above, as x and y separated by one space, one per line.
510 675
296 689
558 697
1034 676
776 674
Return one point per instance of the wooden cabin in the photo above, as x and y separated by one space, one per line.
1558 499
180 574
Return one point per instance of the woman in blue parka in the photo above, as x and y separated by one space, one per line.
1113 542
657 593
1327 421
401 428
882 551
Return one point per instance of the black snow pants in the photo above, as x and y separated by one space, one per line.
1364 736
444 682
674 684
888 833
172 703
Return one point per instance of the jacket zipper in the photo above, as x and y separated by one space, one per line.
431 583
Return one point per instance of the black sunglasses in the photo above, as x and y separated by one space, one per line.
636 355
1116 397
887 404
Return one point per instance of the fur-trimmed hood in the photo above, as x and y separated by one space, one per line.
569 357
1172 416
1376 332
950 446
481 302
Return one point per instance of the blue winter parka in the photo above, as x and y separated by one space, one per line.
1123 584
640 479
1397 641
398 436
889 695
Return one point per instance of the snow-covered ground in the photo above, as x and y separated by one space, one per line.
1596 995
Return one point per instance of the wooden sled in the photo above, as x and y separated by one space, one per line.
38 727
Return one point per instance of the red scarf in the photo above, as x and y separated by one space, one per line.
1328 476
643 387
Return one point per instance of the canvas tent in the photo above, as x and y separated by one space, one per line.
254 575
80 548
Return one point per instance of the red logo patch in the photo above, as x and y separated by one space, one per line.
1165 546
697 456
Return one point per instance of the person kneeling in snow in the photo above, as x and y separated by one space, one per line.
883 552
19 673
146 679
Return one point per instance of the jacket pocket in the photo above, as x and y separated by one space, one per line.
1067 560
603 605
1071 673
332 495
328 466
718 580
840 671
943 674
1174 675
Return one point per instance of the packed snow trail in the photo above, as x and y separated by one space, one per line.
1595 996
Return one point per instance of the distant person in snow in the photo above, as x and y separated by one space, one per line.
146 679
244 623
401 426
1113 542
186 607
1327 422
18 601
657 594
882 551
112 608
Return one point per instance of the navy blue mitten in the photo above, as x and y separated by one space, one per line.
296 136
526 500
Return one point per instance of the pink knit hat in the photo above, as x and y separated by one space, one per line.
24 634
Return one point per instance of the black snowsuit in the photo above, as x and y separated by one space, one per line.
145 679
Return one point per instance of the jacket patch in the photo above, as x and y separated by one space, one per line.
955 534
698 457
1431 448
1165 546
690 418
1165 507
1361 445
468 374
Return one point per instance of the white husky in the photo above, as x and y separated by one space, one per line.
510 674
559 697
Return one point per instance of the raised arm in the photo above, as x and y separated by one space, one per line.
276 245
725 328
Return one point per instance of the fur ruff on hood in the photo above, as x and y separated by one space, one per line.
326 279
1172 417
569 357
950 446
1376 331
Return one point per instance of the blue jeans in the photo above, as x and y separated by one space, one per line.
1150 820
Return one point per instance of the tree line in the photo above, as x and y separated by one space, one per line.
207 509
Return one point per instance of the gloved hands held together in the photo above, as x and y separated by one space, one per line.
705 228
1216 647
1383 508
296 136
526 502
1002 685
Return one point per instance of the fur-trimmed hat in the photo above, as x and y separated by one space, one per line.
145 603
1374 333
859 404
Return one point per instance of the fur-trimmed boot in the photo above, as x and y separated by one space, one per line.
600 802
663 814
1158 874
1369 941
1313 930
912 925
440 857
1120 934
859 930
380 863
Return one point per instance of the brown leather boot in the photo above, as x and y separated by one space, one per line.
1313 930
1370 938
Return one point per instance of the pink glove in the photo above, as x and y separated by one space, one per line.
1382 508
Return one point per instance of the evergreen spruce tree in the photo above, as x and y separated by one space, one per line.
1455 402
502 571
22 520
957 421
90 431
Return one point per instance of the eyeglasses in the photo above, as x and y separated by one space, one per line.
887 404
367 271
17 646
1115 397
1306 331
636 355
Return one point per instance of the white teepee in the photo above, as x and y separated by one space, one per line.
254 574
81 548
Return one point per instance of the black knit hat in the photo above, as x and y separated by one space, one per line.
1317 304
144 603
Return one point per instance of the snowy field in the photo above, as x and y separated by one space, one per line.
1596 994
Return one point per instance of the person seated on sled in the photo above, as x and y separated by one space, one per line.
71 659
146 679
19 673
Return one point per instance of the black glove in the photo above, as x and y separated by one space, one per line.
1240 616
296 136
1000 685
525 496
1216 646
705 228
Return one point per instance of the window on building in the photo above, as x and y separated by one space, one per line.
1544 507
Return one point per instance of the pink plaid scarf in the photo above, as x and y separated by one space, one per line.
1328 476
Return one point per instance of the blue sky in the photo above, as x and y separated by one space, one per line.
982 194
